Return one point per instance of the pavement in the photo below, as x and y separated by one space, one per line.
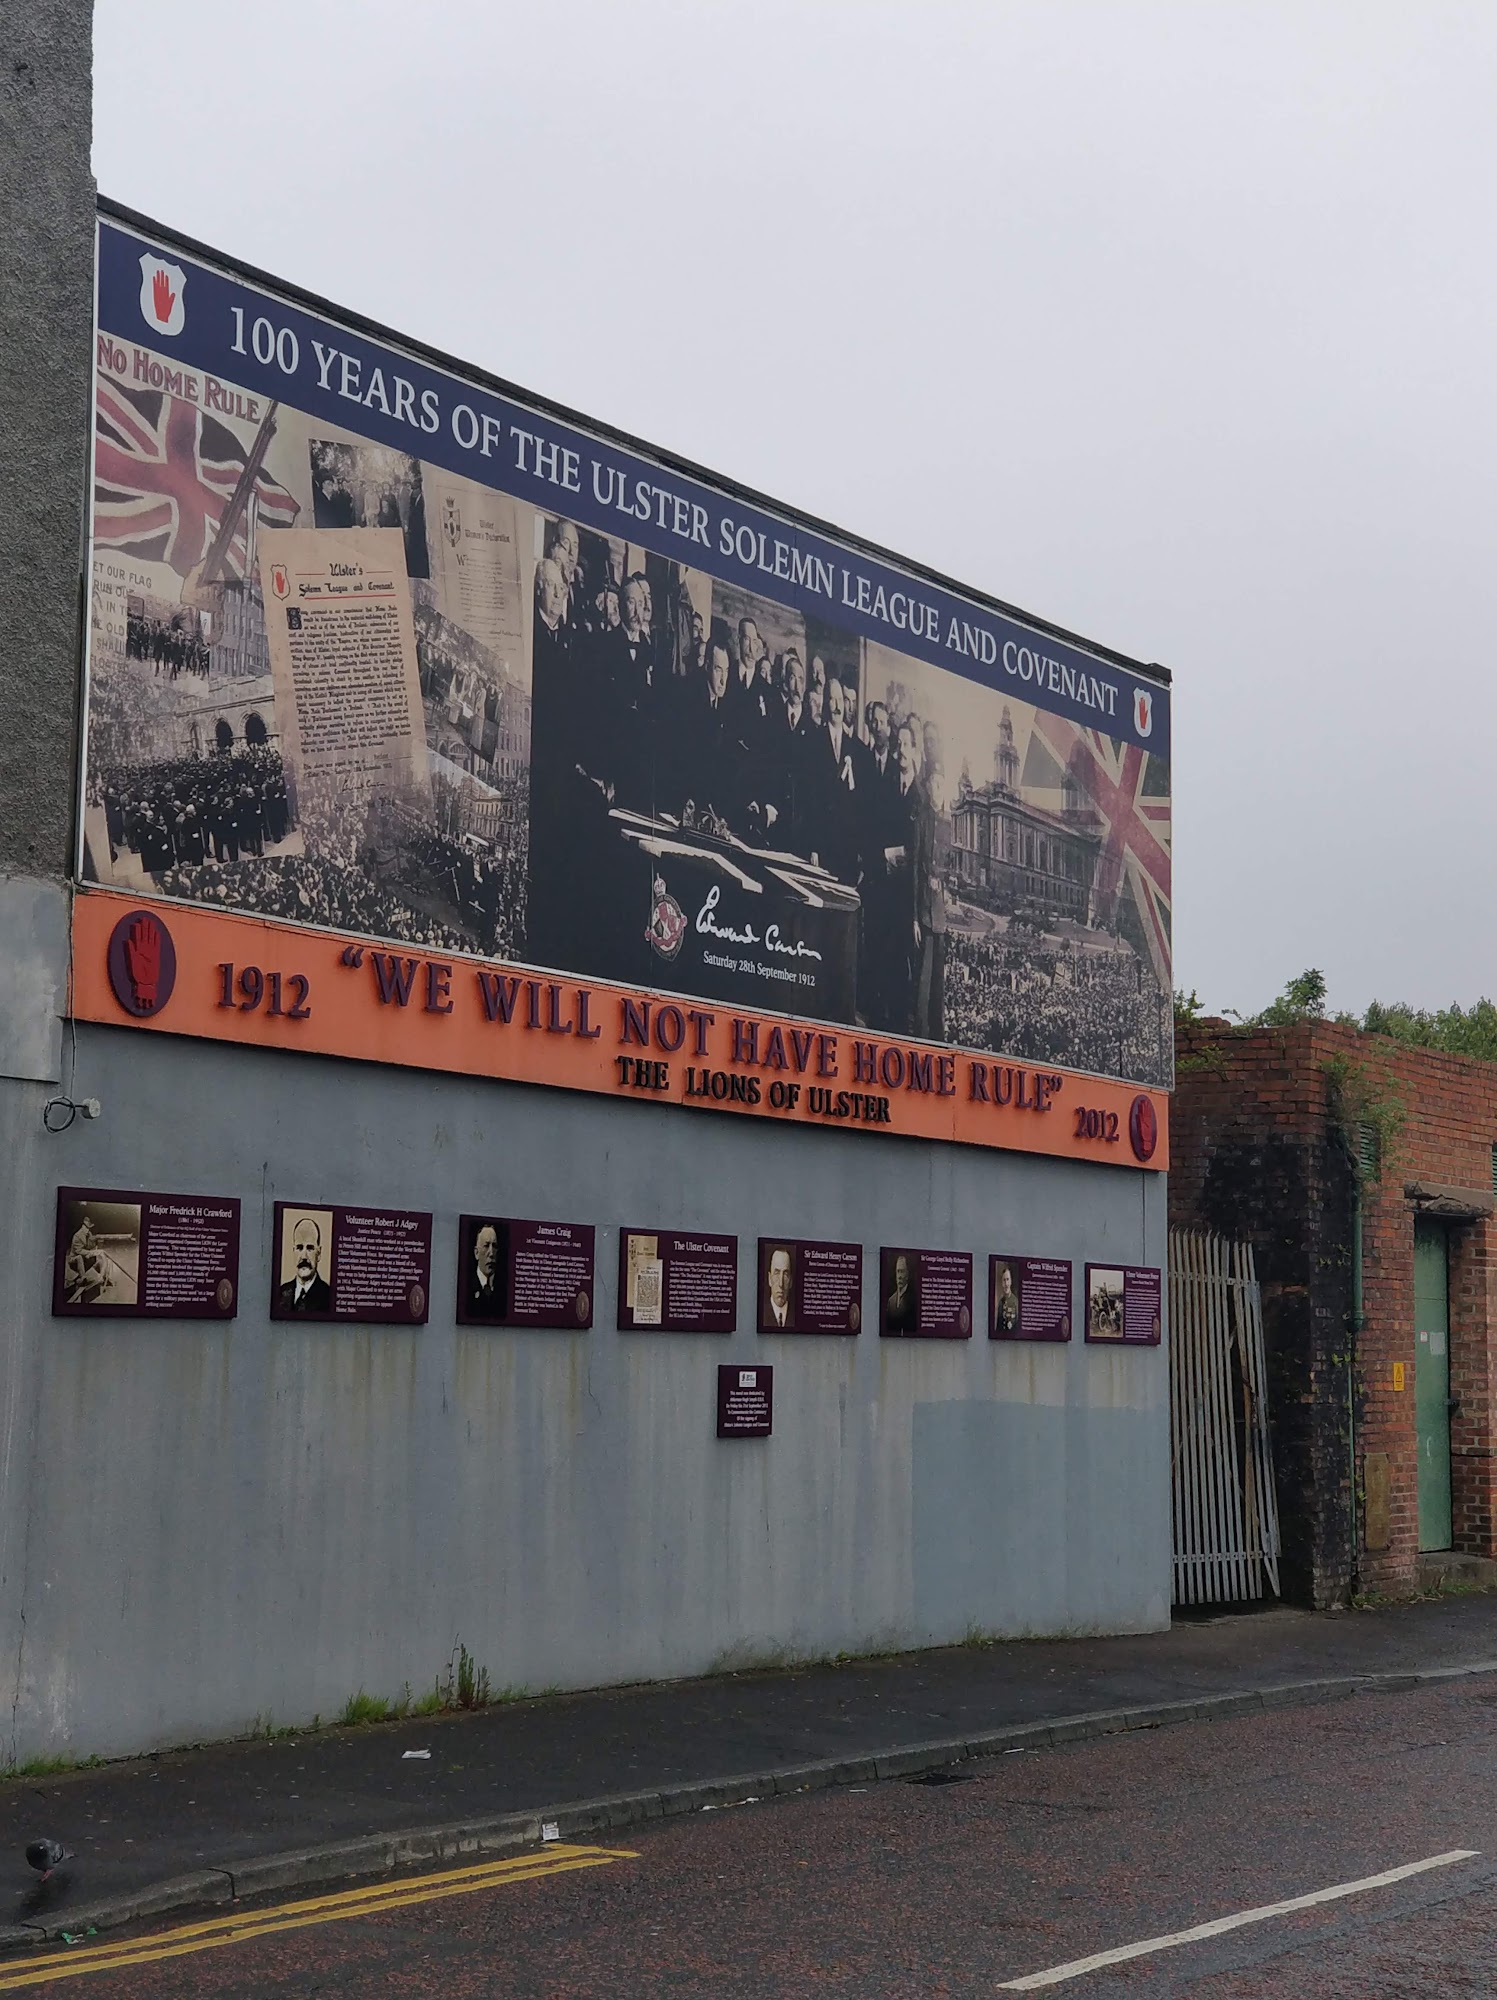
208 1826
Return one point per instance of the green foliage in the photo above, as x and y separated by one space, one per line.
1189 1008
1458 1031
1362 1104
1455 1030
49 1767
1303 999
361 1708
466 1684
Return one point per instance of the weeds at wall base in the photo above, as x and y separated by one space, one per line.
1379 1600
50 1767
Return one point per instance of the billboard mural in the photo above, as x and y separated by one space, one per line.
378 647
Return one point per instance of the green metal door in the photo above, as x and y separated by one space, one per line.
1432 1382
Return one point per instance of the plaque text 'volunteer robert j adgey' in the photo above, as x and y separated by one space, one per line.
357 1264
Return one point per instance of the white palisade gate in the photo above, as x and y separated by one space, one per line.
1226 1517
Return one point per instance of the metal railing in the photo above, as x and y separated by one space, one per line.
1226 1517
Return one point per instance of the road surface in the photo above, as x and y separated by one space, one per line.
1001 1880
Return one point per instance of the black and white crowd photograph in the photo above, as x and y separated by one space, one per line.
784 784
639 772
191 787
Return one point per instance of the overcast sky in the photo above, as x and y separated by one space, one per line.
1173 323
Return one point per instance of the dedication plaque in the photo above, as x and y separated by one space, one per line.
745 1401
677 1282
925 1294
1029 1298
809 1287
524 1274
368 1265
120 1255
1124 1304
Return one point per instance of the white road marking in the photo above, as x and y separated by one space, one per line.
1077 1966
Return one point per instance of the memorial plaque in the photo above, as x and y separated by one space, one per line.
1029 1298
513 1273
745 1401
122 1255
925 1294
677 1281
809 1287
1124 1304
368 1265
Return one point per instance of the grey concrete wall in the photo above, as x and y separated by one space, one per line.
33 977
206 1524
201 1524
46 321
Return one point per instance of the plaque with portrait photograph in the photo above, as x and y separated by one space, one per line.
524 1274
125 1255
925 1294
360 1265
1029 1298
809 1287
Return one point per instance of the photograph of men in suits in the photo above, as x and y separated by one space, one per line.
484 1273
839 805
778 1315
902 1301
897 888
304 1288
706 778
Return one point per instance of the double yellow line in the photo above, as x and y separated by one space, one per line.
247 1926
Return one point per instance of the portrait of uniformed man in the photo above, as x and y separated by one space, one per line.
902 1300
779 1289
484 1288
306 1239
1005 1299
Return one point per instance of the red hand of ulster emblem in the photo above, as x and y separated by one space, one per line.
162 296
143 960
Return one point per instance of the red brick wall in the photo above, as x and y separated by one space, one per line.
1257 1150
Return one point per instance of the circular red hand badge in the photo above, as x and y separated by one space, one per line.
142 963
1143 1127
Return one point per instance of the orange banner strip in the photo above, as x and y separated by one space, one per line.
174 969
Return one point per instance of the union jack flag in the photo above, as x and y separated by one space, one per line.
164 470
1109 779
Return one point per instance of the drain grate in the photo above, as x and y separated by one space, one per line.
941 1778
